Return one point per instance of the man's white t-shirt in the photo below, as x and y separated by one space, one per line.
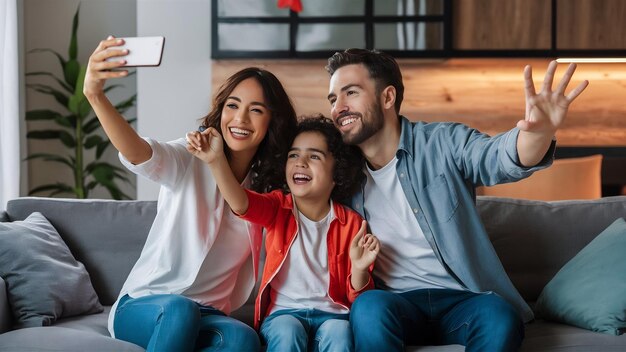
303 279
406 261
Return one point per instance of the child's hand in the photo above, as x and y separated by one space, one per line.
207 145
363 249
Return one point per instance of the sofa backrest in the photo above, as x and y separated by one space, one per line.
106 236
534 239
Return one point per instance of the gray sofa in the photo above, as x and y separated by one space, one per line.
534 239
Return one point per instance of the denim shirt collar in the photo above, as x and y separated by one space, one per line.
406 136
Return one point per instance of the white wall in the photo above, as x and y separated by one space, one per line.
171 98
48 24
175 95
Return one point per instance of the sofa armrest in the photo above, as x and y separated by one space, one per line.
5 310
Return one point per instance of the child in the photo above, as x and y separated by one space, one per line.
319 258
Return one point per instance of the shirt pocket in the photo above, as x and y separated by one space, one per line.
439 199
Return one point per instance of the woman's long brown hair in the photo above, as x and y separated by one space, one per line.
266 172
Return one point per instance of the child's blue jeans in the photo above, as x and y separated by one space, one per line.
176 323
307 329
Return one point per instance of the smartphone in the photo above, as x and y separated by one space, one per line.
142 51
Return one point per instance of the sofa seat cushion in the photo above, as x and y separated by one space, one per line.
97 323
547 336
59 339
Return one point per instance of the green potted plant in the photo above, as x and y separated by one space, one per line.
77 129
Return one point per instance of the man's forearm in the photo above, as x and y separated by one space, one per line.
532 147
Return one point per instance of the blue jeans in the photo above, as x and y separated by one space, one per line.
307 329
176 323
387 321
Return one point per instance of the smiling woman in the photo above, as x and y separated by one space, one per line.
216 254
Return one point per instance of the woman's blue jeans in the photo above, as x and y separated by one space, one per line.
307 329
175 323
387 321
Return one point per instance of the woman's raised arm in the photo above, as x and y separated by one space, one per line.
122 135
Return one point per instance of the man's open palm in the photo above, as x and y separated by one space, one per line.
546 110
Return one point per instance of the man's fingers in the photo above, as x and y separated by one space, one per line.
549 77
529 85
576 92
567 76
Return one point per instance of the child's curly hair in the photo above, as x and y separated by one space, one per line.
349 161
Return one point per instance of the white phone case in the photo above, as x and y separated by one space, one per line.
142 51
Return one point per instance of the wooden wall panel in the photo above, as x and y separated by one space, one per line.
486 94
501 24
591 24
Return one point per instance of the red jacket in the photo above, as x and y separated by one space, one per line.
275 211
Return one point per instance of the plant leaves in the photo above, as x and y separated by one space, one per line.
91 125
73 50
91 185
61 83
71 70
126 104
92 142
84 108
104 174
99 173
66 121
43 134
61 98
101 148
59 187
61 58
51 157
42 114
67 139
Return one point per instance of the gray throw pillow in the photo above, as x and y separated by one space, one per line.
44 280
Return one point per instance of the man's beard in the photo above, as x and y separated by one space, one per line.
368 128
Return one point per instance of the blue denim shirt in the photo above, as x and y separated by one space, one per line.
439 164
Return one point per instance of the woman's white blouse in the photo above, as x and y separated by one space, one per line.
189 217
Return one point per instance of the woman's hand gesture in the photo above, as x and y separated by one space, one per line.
207 145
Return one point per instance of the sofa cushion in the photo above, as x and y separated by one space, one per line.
546 336
58 339
534 239
105 235
44 280
590 290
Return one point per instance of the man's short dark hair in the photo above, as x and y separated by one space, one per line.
382 67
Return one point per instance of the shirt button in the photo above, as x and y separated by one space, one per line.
415 210
358 206
402 175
